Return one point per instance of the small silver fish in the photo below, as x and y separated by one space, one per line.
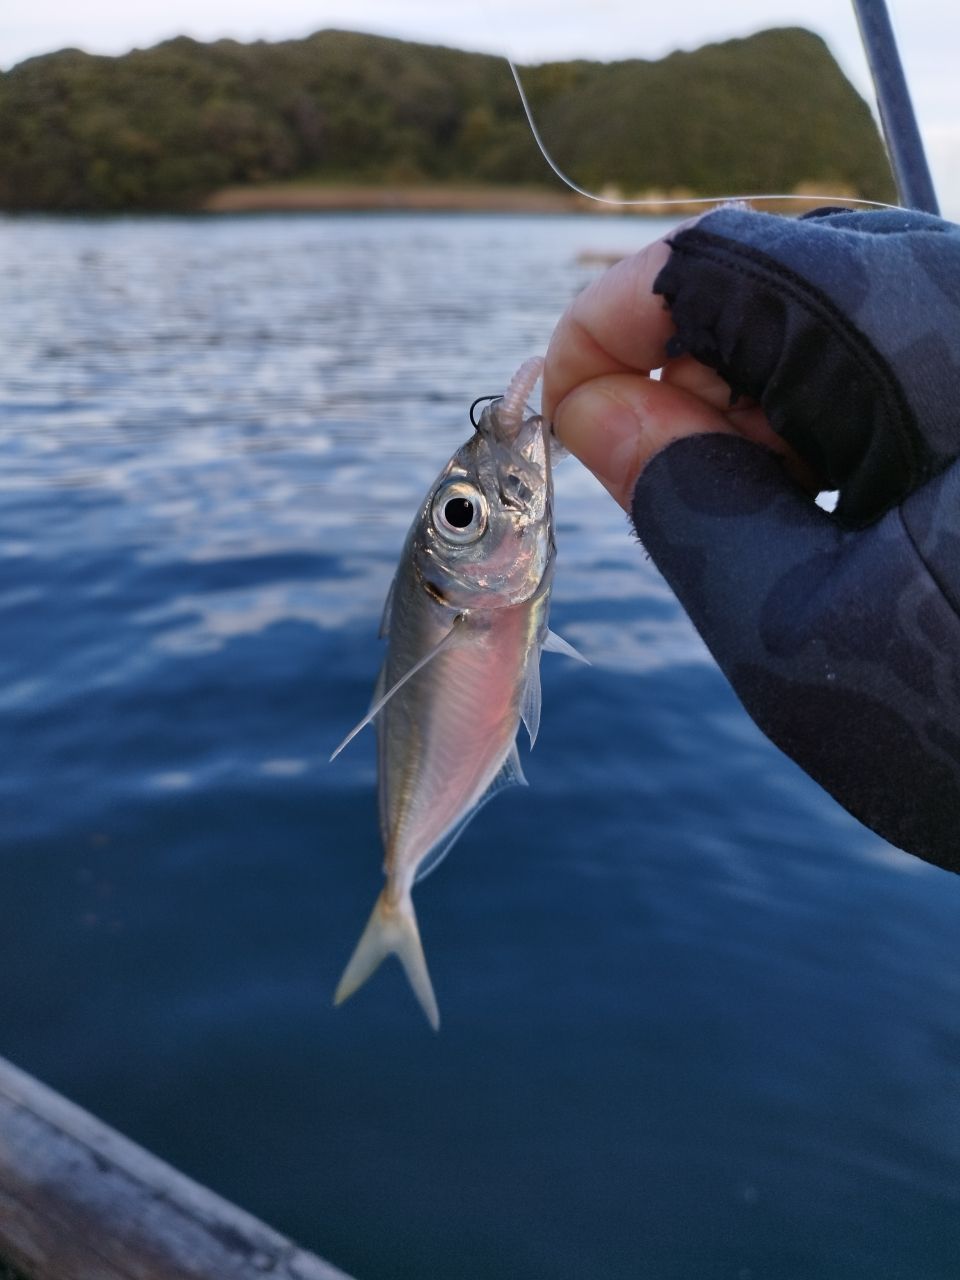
465 621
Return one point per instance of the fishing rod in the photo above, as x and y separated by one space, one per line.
904 144
899 123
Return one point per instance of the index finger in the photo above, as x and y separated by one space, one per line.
617 325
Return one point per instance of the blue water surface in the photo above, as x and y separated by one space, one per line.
697 1022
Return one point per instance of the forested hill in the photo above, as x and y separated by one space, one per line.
162 128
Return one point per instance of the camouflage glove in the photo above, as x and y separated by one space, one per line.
840 633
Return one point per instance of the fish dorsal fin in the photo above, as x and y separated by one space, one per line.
379 687
446 642
387 611
557 452
556 644
510 775
530 697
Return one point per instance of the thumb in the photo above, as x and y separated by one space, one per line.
616 423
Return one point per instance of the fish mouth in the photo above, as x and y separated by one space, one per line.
516 446
520 462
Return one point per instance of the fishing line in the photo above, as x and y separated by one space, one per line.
683 201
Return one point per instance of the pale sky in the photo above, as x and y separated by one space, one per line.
529 30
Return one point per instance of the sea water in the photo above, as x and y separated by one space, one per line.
697 1022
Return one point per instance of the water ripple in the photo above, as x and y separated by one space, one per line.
694 1014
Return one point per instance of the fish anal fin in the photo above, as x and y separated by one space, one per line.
391 930
510 775
445 642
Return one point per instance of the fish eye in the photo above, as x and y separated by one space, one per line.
459 512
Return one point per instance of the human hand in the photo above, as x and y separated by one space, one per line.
604 406
840 634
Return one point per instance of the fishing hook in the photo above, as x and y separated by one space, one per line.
480 400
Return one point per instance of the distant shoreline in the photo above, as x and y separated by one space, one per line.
301 197
355 197
341 122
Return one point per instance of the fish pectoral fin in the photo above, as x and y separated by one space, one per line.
391 930
381 699
530 698
556 644
510 775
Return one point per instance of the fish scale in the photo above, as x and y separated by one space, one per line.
465 623
468 738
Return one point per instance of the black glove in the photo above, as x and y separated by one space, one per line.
841 636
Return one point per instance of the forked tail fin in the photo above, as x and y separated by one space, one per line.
391 930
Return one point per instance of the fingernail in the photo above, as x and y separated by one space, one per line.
605 431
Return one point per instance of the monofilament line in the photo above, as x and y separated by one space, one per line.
682 201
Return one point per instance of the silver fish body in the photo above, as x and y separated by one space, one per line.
447 733
465 623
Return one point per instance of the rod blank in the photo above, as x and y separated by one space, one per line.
904 144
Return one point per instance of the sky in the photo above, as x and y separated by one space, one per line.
528 30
